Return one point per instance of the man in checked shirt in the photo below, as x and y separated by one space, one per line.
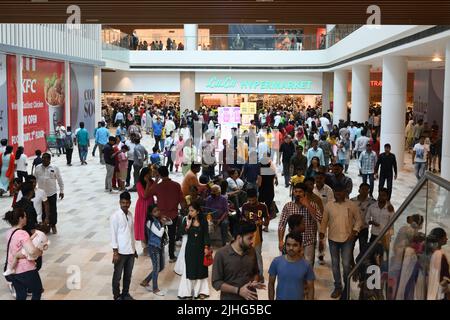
312 216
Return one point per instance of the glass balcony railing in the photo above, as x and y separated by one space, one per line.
340 32
281 42
405 262
116 53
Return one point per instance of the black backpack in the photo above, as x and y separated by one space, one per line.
68 141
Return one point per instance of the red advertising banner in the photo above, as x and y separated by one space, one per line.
43 101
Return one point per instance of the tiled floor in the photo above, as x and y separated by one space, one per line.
83 240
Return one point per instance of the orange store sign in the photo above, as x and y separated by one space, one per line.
375 83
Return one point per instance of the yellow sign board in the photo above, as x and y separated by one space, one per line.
248 107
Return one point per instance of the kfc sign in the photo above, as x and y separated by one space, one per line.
29 85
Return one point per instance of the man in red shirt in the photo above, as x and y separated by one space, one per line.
290 128
168 197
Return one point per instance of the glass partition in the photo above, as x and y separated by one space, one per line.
113 52
404 262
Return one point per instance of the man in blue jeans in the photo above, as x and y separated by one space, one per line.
101 139
367 163
83 143
343 221
419 158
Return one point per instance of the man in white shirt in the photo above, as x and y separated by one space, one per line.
309 121
352 129
420 156
124 247
326 194
47 175
325 123
323 191
170 126
379 214
276 120
361 143
60 132
40 202
263 149
262 119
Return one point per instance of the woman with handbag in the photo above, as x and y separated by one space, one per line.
26 277
198 255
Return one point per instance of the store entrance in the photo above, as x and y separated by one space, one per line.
262 100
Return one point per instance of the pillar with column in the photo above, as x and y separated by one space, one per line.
67 91
445 165
393 105
340 96
360 93
98 94
19 94
327 86
190 37
188 97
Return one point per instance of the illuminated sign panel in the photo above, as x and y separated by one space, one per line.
259 82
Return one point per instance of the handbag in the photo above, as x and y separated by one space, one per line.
42 226
208 259
273 210
8 278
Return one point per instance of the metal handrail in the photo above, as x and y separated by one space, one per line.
428 176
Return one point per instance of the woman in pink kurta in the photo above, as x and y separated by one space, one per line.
142 204
179 152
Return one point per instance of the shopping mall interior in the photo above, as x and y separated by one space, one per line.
391 80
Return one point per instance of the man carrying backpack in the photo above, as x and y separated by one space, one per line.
68 144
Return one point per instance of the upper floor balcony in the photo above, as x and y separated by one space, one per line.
237 38
288 50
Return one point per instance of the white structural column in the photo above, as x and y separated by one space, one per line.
445 168
190 37
360 93
67 91
327 87
98 94
19 94
187 91
393 105
340 96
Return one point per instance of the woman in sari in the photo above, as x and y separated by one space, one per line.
7 163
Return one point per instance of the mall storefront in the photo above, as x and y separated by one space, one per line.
213 88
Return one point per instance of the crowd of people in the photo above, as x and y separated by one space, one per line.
231 204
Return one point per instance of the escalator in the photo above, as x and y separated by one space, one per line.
407 260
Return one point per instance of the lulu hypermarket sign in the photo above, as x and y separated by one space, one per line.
254 84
